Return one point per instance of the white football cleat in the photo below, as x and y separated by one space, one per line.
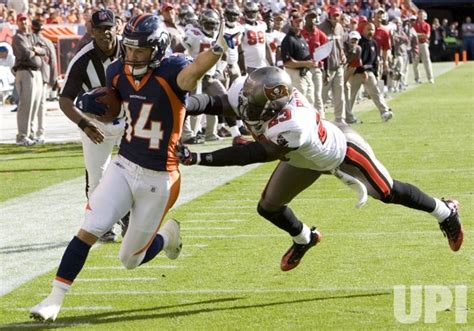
172 236
354 184
46 310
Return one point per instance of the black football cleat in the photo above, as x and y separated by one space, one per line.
293 256
452 227
124 224
109 236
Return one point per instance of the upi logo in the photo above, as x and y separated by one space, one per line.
434 298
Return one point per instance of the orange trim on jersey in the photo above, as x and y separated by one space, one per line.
131 80
367 165
175 178
62 280
179 112
115 80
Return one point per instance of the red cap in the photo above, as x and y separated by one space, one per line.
21 16
362 19
334 10
166 6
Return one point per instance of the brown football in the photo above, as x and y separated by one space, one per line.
113 102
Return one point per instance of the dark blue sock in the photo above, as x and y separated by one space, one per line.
73 260
155 247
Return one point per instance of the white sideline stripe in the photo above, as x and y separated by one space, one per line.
128 279
234 291
123 268
80 308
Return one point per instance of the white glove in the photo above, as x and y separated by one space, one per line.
220 45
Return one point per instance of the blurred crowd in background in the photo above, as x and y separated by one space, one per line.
403 34
454 35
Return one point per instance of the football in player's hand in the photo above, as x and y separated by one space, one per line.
109 97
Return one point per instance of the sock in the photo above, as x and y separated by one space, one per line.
73 260
234 131
284 218
219 126
411 196
239 123
441 211
56 296
155 247
304 236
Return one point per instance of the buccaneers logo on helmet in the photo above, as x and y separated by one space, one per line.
276 92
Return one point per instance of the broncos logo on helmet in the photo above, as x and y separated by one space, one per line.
144 31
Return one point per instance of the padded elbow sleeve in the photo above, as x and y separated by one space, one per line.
203 104
236 155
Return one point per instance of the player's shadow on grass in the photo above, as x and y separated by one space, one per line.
157 312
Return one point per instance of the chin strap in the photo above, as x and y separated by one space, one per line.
354 184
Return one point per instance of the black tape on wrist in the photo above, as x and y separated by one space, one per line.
83 123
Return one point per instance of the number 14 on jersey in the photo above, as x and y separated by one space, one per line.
154 133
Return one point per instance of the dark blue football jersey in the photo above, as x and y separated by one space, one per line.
154 108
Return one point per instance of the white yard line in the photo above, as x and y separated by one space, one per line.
123 268
42 326
80 308
230 291
112 279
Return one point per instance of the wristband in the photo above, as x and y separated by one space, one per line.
83 123
198 158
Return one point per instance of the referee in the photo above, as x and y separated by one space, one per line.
297 59
85 72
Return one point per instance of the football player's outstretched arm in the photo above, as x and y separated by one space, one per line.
255 152
211 105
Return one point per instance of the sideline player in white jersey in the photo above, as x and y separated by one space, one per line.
236 30
256 51
288 128
274 38
198 40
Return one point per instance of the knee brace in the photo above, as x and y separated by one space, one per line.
284 218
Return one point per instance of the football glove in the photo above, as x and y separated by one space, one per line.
185 156
220 45
88 103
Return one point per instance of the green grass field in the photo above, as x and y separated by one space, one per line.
228 276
